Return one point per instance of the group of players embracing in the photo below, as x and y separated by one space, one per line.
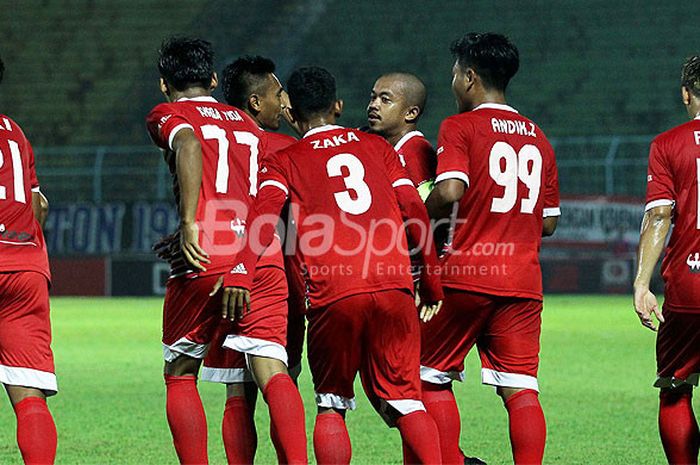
342 228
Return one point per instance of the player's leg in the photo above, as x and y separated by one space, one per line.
678 368
26 362
190 319
445 342
261 335
390 373
509 349
334 353
228 367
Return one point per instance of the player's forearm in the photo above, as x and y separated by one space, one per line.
260 232
40 207
655 227
442 198
188 163
420 233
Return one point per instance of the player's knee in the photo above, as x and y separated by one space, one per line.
427 386
18 393
328 410
183 366
675 393
507 393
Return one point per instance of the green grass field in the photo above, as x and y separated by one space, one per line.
597 366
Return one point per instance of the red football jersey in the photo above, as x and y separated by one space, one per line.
351 234
674 179
277 141
232 145
22 245
417 155
509 168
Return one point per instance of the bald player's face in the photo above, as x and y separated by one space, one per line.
386 111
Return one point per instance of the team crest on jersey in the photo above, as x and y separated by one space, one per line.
238 227
693 262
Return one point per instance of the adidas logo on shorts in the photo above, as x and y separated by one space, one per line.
239 269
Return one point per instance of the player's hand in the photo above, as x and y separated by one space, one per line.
235 301
416 293
189 243
645 304
428 311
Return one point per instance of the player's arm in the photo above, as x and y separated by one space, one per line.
655 227
40 207
188 165
419 231
260 232
549 225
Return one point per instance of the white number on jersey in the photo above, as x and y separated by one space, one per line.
213 132
526 166
355 181
17 173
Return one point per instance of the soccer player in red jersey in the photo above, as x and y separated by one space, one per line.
26 359
673 189
212 150
396 104
349 196
497 175
249 83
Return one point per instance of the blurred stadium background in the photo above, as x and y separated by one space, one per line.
601 78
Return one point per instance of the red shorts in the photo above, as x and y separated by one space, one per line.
191 318
506 330
376 334
678 350
25 332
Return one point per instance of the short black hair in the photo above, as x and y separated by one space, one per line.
2 69
690 75
493 56
243 77
186 62
311 91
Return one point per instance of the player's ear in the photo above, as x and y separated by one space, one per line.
685 95
164 87
254 102
412 114
214 81
338 108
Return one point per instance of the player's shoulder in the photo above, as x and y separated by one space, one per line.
10 127
678 133
279 138
414 141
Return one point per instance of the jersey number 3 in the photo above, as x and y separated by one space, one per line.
526 166
354 181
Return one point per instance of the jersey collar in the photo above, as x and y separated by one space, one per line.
496 106
324 128
405 139
203 98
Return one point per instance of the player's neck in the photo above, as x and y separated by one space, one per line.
490 97
395 138
316 121
192 92
257 121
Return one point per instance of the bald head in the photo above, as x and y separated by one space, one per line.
409 86
396 103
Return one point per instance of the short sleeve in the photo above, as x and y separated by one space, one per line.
394 169
452 152
551 186
163 123
660 189
273 171
420 160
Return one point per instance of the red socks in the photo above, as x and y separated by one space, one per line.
420 436
287 416
678 428
238 431
528 430
186 418
331 440
36 431
441 405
